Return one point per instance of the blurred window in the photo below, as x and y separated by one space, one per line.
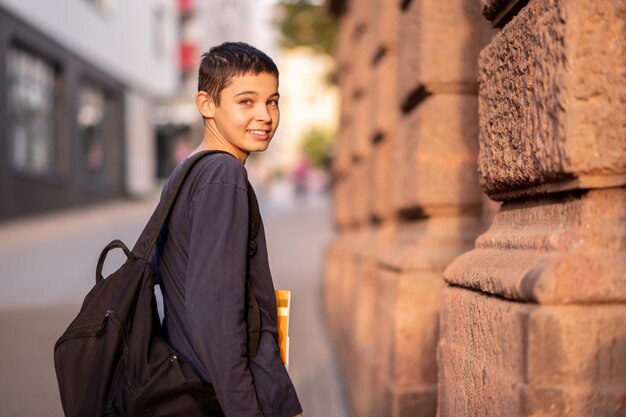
31 87
91 124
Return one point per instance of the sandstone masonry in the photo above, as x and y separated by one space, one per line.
480 202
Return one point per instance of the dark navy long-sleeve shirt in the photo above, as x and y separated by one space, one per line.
201 263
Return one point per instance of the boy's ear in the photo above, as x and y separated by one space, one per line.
205 104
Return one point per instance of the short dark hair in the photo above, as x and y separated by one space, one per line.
228 60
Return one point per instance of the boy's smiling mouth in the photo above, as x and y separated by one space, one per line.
259 132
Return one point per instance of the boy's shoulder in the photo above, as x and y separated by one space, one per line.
221 168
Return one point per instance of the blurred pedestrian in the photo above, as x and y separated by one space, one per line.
301 176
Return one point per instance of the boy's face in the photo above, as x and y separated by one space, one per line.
248 114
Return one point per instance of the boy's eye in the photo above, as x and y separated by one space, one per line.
246 102
273 103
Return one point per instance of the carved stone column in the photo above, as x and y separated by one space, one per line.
436 194
533 322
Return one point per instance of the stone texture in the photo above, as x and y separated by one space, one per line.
361 11
361 54
342 149
553 99
384 108
500 12
343 50
385 21
341 202
502 358
361 190
439 43
407 288
382 172
362 361
491 8
435 158
339 284
565 248
361 142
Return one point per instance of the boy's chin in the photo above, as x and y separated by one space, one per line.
260 147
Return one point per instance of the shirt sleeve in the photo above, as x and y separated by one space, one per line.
215 294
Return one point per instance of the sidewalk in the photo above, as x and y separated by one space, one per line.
47 264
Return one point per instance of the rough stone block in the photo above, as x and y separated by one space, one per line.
385 20
345 31
435 157
363 363
341 202
503 358
407 293
481 355
336 267
416 334
361 142
364 389
382 172
553 99
439 43
416 402
501 11
408 305
566 248
361 11
361 58
384 108
361 191
341 282
342 149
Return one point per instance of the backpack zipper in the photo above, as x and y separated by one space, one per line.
93 330
121 328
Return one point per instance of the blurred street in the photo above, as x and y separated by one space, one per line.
47 264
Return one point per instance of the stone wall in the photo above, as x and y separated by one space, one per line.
439 299
535 315
407 196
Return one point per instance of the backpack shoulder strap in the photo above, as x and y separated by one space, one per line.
148 237
255 219
254 316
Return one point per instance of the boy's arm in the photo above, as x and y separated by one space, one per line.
215 294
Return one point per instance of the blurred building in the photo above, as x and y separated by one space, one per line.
78 78
308 102
98 95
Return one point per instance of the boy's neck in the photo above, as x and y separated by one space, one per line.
212 142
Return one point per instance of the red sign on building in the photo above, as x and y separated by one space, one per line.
186 6
188 56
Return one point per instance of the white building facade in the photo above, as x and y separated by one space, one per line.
79 78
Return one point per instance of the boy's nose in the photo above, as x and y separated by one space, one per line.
263 114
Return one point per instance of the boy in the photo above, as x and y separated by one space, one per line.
203 255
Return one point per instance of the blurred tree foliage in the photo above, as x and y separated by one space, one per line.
306 23
316 147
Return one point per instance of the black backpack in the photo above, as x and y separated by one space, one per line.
113 360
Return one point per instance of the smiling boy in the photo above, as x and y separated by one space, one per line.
202 259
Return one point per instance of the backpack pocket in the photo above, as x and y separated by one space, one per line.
163 387
166 377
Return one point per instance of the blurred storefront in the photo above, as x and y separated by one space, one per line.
78 83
